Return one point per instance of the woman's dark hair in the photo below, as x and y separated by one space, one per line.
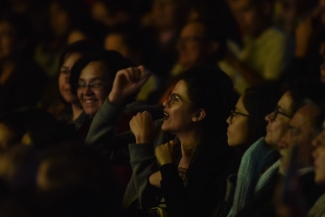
113 61
260 101
84 47
211 89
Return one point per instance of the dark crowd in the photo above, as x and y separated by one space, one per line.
162 108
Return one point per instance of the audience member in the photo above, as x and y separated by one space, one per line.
21 80
192 182
266 51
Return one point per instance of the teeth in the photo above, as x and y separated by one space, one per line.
89 101
166 114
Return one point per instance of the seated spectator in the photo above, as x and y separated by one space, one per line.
130 44
92 78
318 154
246 124
18 167
192 182
199 43
266 51
73 112
21 80
292 100
32 127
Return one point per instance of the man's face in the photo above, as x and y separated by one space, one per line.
278 126
301 133
246 14
192 45
319 157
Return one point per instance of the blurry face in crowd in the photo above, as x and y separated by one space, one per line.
178 111
301 133
59 19
64 78
322 67
6 137
238 125
163 13
278 126
116 42
100 13
192 46
319 157
246 14
93 87
7 39
75 35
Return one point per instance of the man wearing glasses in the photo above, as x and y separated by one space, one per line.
264 152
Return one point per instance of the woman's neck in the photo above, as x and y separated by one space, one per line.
76 111
189 142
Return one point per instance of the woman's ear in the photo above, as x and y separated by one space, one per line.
199 115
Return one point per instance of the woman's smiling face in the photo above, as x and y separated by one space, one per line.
93 87
178 110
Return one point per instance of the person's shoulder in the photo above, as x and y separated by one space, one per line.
272 36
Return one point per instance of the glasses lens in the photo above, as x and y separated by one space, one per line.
275 113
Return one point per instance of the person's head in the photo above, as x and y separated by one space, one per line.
199 43
246 122
252 16
126 42
42 130
73 165
169 14
290 102
63 15
14 33
11 129
111 13
200 101
69 57
18 167
93 76
319 153
302 130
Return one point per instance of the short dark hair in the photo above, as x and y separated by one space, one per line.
113 61
260 101
301 90
84 47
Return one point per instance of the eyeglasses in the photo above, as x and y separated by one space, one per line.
233 113
95 86
172 97
276 112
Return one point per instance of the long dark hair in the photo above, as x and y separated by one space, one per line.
211 89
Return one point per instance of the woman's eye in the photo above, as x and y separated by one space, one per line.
176 98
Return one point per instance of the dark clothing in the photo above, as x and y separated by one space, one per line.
66 117
262 204
24 86
205 182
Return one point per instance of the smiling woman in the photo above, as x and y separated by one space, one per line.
92 78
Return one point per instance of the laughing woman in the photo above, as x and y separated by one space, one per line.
195 112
